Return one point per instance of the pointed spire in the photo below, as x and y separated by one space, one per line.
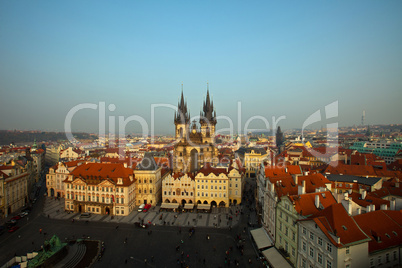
207 101
182 115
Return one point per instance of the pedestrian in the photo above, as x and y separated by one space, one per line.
125 261
152 258
40 231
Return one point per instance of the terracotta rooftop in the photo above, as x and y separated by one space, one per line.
369 200
305 204
102 170
384 227
272 171
336 221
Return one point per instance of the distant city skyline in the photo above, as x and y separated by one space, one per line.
270 59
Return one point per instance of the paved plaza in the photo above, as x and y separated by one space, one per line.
170 244
217 218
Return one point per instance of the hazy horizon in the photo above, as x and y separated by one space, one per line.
275 59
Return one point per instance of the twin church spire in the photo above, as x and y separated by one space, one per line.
207 115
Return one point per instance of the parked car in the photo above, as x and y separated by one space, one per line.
13 229
85 215
141 207
16 217
146 208
22 214
26 210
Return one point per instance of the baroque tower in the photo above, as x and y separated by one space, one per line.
194 144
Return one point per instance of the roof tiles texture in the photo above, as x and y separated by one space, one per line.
336 221
384 227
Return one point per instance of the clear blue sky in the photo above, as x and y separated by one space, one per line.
278 58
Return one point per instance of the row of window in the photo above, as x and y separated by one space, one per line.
145 191
304 263
212 194
287 231
174 193
95 199
387 259
211 181
145 181
319 240
172 184
96 209
212 187
93 188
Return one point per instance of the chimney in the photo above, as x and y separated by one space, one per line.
286 170
350 207
392 204
368 208
317 201
383 207
372 207
346 196
364 193
295 178
359 211
397 184
302 188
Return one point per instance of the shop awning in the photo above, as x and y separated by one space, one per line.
261 238
170 205
188 206
275 258
203 206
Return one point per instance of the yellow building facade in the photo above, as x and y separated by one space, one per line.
218 186
149 181
100 188
178 188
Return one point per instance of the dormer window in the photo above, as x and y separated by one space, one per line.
119 181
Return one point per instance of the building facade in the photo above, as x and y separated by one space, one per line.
14 184
332 240
149 181
251 157
100 188
195 143
179 188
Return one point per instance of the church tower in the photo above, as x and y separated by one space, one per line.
194 147
182 118
208 120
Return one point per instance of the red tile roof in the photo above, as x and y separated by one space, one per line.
305 204
208 169
396 165
369 200
177 175
336 221
272 171
102 170
384 227
356 170
285 185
